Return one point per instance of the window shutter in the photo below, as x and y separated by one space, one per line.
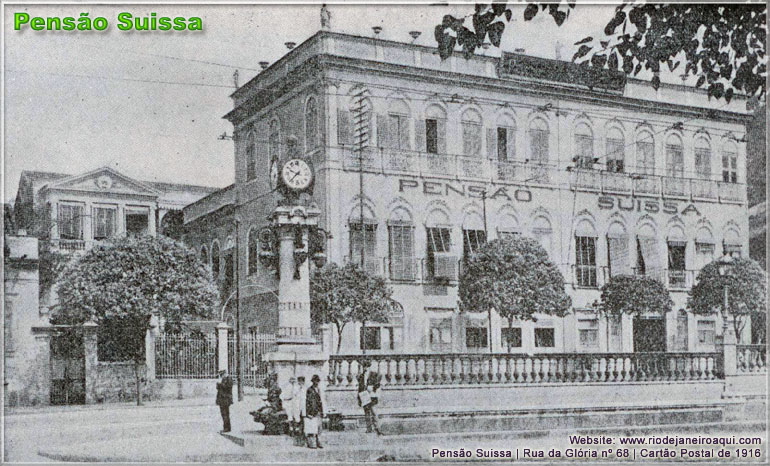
403 132
492 143
510 143
343 127
419 135
382 130
441 130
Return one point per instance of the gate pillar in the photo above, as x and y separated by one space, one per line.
91 360
222 347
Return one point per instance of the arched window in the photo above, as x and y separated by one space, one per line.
251 157
205 256
584 146
674 157
730 163
393 128
585 254
401 245
617 250
311 124
645 153
501 141
215 256
253 251
274 142
430 133
538 140
702 159
471 126
616 147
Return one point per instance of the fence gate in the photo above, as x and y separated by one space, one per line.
252 348
68 370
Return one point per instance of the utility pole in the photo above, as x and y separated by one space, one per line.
237 262
486 238
361 127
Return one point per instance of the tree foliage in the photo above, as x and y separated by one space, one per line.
514 277
340 295
636 295
722 45
746 284
51 263
121 284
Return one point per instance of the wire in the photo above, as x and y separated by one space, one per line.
112 78
171 57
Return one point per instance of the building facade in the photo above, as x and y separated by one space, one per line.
72 212
609 175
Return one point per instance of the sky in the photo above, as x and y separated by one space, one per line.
150 103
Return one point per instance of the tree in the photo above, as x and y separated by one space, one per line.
340 295
120 285
746 292
514 277
637 295
722 45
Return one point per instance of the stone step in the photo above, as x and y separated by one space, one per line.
523 423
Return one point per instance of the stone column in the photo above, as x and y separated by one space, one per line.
297 354
91 360
88 229
149 349
222 348
40 389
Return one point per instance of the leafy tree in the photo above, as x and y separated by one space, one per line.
747 294
121 284
723 45
636 295
9 224
516 278
340 295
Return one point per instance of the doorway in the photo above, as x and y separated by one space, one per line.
649 334
68 370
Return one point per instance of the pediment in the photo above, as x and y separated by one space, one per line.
107 181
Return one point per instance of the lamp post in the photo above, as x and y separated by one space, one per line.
724 264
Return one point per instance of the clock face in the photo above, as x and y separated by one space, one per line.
273 174
297 174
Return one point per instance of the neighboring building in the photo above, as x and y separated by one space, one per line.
614 178
756 147
26 355
74 211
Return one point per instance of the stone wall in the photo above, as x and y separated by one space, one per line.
115 381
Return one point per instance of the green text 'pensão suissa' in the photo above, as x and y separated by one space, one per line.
126 22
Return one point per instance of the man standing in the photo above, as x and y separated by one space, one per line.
368 395
315 411
225 398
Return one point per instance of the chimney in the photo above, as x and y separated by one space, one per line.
520 50
290 45
263 64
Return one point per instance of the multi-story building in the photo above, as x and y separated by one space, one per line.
72 212
610 175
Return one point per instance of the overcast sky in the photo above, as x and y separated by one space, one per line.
68 107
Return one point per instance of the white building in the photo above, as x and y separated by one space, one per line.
613 178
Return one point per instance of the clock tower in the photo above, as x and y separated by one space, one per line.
292 224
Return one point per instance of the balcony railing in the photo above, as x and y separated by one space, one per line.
480 168
69 245
480 368
751 358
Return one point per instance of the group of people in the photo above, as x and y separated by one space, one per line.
304 406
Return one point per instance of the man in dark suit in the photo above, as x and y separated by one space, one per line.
314 412
225 398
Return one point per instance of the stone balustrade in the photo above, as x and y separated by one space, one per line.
751 358
497 368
